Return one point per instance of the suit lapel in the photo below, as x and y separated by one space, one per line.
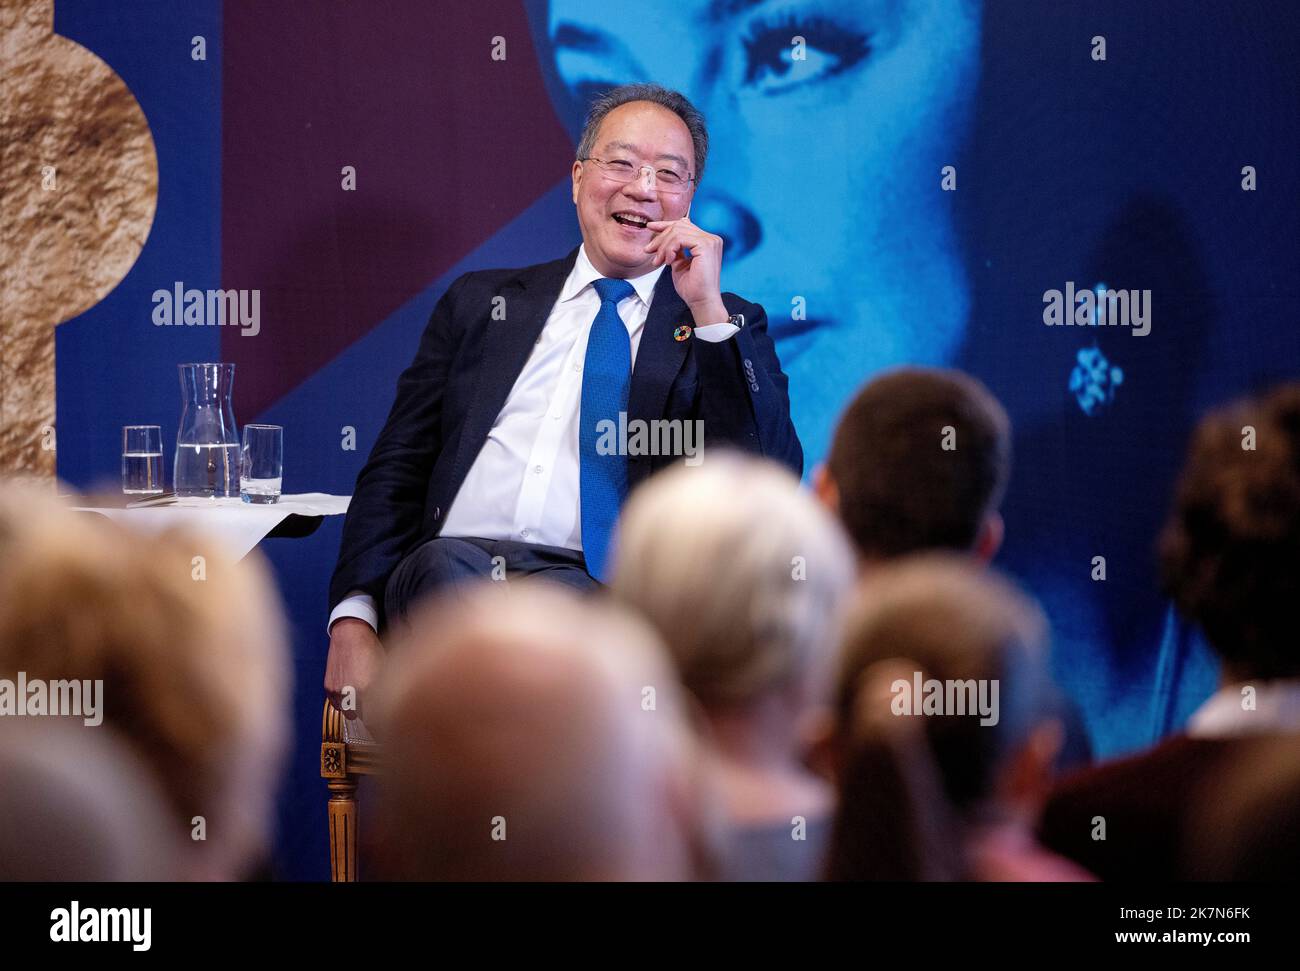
529 299
659 356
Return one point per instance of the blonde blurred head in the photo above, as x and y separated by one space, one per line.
556 716
189 645
740 570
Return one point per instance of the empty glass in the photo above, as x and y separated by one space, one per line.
261 463
142 460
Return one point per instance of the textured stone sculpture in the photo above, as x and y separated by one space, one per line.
79 184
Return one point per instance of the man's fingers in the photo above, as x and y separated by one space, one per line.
350 710
661 236
667 253
684 222
677 244
658 246
349 669
682 241
669 229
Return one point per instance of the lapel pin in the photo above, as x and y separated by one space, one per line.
682 333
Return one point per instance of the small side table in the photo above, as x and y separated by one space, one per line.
238 526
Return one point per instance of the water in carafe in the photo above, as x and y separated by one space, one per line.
211 471
207 445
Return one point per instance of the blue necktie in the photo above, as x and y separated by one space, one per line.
606 376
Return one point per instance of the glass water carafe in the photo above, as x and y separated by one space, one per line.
207 445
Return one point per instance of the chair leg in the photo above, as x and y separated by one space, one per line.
343 829
342 806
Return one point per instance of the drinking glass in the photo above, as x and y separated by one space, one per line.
142 460
261 463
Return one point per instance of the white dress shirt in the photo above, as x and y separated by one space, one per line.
1276 710
524 484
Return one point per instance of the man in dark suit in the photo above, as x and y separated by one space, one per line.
1231 559
539 397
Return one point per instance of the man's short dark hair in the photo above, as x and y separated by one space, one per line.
905 482
1230 552
674 101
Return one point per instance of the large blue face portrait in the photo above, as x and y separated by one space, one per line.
830 125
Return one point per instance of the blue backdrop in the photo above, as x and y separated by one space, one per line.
827 178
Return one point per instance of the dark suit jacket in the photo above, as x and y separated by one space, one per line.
1150 802
467 362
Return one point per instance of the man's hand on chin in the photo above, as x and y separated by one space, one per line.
697 277
354 659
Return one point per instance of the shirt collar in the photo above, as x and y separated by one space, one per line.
1276 709
583 273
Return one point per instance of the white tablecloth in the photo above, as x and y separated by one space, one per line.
237 525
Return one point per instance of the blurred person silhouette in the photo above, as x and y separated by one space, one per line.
531 735
945 783
745 590
1245 824
1230 561
920 460
189 646
80 805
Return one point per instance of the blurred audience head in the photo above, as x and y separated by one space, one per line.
918 770
1230 551
78 804
743 573
919 461
189 647
531 735
740 571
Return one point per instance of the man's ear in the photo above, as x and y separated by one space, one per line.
989 540
824 487
576 174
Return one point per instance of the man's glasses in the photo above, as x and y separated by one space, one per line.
621 170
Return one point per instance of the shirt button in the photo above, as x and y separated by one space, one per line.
537 470
523 533
577 366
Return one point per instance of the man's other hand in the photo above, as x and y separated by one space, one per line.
354 659
697 277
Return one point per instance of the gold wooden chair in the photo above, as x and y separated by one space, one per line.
347 752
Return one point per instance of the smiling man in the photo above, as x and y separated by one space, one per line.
491 463
831 122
